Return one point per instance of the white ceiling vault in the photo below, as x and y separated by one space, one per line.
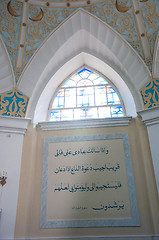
42 42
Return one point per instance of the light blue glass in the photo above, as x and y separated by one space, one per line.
84 82
100 81
104 112
70 97
85 97
76 77
54 115
100 95
91 113
79 114
85 90
116 98
67 114
69 83
93 76
117 111
84 73
110 97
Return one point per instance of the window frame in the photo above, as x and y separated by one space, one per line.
95 106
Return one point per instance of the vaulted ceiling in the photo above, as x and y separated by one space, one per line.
39 37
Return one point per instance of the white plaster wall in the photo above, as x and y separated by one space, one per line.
12 131
10 161
153 132
151 119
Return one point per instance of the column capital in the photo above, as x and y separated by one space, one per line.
14 125
150 116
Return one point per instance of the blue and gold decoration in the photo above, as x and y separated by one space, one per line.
44 18
150 94
10 27
150 15
13 103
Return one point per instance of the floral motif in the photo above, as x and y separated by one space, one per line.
124 23
10 28
38 31
13 103
150 94
150 14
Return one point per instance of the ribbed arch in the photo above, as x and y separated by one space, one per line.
82 33
156 59
6 73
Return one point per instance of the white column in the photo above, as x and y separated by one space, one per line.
12 131
151 119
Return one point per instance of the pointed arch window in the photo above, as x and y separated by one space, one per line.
86 95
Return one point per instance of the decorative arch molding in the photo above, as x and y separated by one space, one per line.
93 63
6 71
156 60
83 33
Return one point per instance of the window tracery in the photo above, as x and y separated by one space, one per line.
86 95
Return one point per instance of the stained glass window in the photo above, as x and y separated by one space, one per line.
85 95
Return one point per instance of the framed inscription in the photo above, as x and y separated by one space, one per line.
88 182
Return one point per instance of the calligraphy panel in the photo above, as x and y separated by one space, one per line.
88 182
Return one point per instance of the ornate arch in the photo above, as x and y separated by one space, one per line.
83 33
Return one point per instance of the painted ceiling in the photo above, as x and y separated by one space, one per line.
25 25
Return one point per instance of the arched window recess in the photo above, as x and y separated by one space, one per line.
86 95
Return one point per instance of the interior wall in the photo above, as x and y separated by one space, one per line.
29 202
10 162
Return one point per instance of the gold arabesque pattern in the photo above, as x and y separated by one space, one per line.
150 94
42 20
13 103
151 22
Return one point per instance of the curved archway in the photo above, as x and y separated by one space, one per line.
6 72
156 59
69 67
79 35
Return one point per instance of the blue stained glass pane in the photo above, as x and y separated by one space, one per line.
55 103
83 70
110 95
85 97
76 77
110 89
79 114
117 111
93 76
58 102
100 81
91 113
54 115
100 95
104 112
70 97
110 99
84 73
67 114
116 98
84 82
69 83
60 93
59 99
